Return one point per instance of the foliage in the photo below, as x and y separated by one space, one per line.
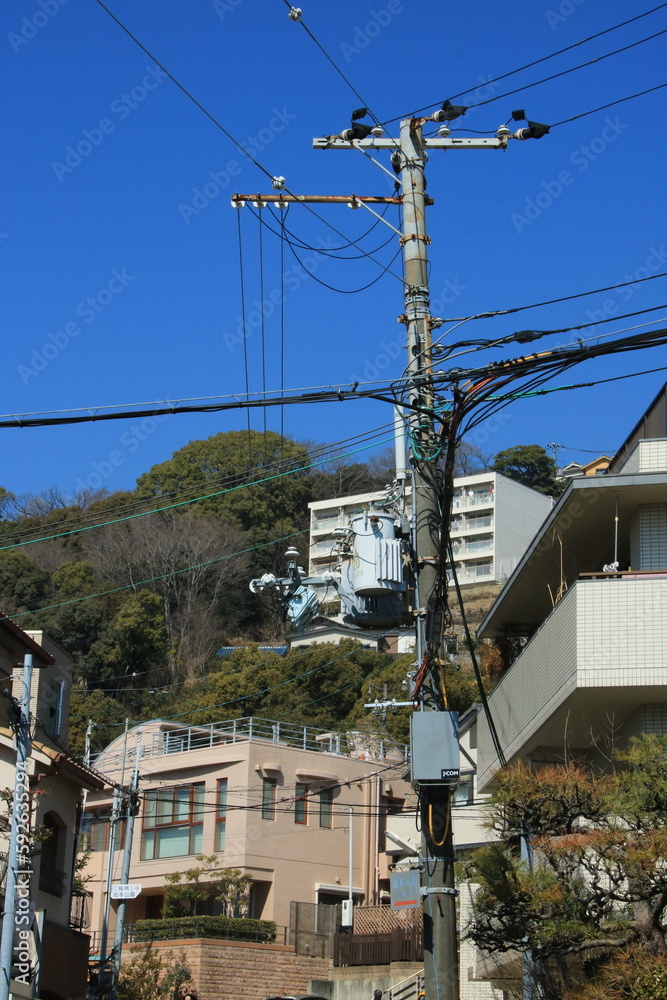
598 882
224 463
228 928
150 975
107 713
187 892
22 582
531 465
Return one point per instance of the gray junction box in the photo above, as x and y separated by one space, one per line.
434 748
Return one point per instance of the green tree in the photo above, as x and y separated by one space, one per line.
531 465
187 892
134 642
22 583
107 714
594 901
224 465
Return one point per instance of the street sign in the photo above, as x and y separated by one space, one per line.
404 887
126 891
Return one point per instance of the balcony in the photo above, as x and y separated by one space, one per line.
599 660
462 501
472 523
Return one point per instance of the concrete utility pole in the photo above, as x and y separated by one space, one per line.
18 859
409 155
131 810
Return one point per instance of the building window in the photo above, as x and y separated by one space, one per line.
326 803
463 793
301 803
221 815
269 798
172 822
96 827
55 708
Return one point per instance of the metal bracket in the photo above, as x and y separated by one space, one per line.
442 890
414 236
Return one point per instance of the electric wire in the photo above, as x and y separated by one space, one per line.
182 503
536 62
612 104
328 452
331 61
221 127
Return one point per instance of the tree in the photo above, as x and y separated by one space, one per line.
186 892
224 466
594 901
22 582
529 464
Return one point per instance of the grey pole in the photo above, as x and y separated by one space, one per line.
19 862
115 813
130 812
441 966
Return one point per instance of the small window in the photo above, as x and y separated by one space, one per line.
269 798
301 803
172 822
221 815
463 793
326 811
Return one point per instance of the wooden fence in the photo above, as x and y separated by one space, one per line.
402 944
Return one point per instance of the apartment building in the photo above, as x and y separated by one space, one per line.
493 521
299 810
581 622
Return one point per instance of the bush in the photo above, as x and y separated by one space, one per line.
228 928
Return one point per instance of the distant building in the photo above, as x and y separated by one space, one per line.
493 521
597 467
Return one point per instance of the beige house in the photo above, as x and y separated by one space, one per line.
299 810
59 949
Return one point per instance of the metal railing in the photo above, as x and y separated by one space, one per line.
52 881
368 746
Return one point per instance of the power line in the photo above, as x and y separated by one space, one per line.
536 62
612 104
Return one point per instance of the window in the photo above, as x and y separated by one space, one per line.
172 822
463 793
301 803
326 803
55 708
221 815
269 798
96 827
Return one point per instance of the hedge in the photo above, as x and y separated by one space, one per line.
229 928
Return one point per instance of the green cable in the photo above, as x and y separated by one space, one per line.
154 579
181 503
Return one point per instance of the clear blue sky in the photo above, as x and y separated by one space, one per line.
121 282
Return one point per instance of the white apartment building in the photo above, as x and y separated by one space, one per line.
581 622
493 521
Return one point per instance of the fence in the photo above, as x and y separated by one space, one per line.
403 944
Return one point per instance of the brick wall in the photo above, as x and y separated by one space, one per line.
235 970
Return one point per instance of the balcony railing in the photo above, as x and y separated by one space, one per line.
366 746
476 500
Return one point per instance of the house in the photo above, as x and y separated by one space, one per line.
58 946
580 624
301 811
597 467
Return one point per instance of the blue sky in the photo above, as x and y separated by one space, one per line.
121 279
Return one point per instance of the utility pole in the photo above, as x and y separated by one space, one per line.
131 810
19 860
409 154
